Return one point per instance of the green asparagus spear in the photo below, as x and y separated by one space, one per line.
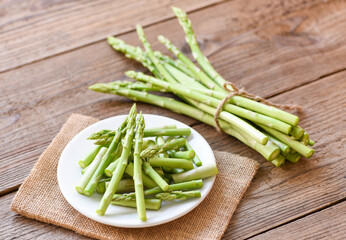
157 149
155 176
161 141
196 173
151 204
171 162
107 158
189 154
90 171
197 161
125 185
279 161
294 144
89 157
188 110
137 173
178 195
190 185
153 132
147 181
120 169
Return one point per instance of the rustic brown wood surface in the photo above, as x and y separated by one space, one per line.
288 51
322 224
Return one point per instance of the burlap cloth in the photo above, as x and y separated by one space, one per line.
39 197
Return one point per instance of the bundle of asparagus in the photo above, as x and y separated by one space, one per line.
272 132
126 161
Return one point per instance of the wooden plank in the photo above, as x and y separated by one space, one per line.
33 30
15 226
279 195
329 223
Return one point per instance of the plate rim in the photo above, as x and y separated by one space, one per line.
143 224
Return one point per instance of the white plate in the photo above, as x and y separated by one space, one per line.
69 173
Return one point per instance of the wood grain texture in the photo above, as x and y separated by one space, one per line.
32 30
15 226
41 95
329 223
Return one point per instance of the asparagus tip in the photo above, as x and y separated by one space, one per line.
111 40
130 74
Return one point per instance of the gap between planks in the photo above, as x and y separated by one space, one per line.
120 33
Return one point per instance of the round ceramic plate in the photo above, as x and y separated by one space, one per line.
69 173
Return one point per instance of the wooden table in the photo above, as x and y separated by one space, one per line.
286 51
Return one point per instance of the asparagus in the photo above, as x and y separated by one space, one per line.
137 174
134 85
89 157
175 63
179 89
188 110
269 151
157 149
190 185
161 141
311 142
189 154
125 185
204 92
159 171
178 195
196 51
147 142
279 161
111 167
90 171
244 102
101 187
283 147
132 52
254 106
199 96
152 204
153 132
182 77
105 136
171 162
297 132
176 170
294 144
292 157
84 170
120 169
164 73
197 161
196 173
200 75
147 181
107 158
155 176
305 139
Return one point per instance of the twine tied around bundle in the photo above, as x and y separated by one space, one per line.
243 93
